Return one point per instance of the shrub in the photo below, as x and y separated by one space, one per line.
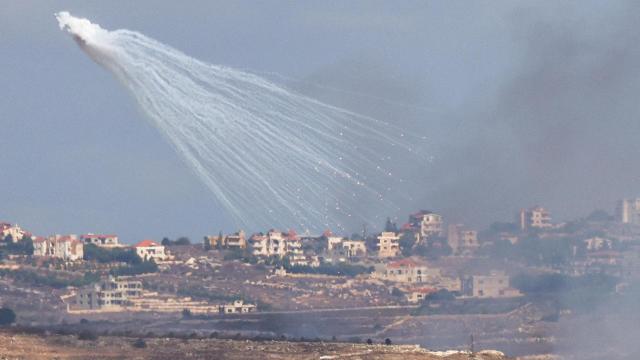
7 316
87 335
140 344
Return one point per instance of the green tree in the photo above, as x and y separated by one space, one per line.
407 240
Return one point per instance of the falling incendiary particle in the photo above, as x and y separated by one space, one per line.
251 140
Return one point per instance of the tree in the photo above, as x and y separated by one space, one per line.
387 341
8 239
183 240
219 242
599 215
369 342
390 226
7 316
166 241
407 240
186 313
206 244
397 292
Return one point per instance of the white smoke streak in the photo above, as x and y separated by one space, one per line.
270 156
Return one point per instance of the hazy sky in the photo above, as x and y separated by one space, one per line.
525 103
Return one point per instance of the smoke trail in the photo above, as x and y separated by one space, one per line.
270 156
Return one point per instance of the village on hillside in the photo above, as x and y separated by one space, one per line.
423 267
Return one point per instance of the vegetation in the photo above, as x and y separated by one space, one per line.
22 247
468 306
199 292
440 295
7 316
534 251
183 240
33 278
87 335
143 267
339 269
140 344
104 255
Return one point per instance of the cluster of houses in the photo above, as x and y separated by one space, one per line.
415 278
115 294
71 247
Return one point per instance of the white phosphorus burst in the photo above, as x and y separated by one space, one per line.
270 156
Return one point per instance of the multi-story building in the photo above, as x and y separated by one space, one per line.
462 240
14 231
66 247
108 293
232 241
100 240
341 246
333 242
353 248
150 250
536 217
494 285
426 223
277 243
628 211
408 271
388 244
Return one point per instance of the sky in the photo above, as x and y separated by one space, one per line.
524 103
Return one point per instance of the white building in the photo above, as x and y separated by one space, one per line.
494 285
66 247
461 239
426 223
353 248
15 231
388 244
628 211
408 271
149 249
277 243
232 241
536 217
100 240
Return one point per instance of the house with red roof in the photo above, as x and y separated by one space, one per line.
149 249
